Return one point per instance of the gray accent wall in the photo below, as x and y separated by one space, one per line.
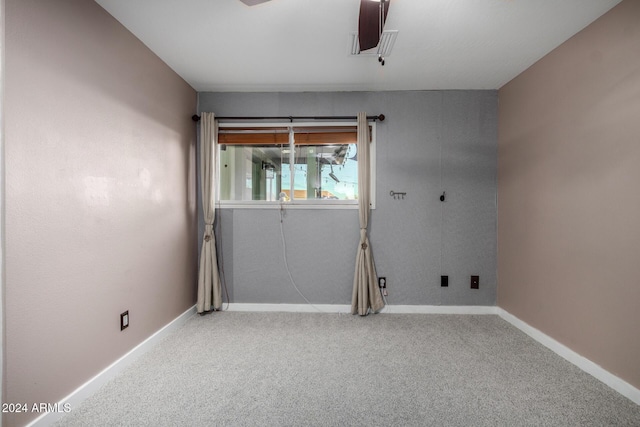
430 142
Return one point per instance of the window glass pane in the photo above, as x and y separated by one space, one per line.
252 172
255 163
326 172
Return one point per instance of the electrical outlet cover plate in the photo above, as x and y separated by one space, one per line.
124 320
475 282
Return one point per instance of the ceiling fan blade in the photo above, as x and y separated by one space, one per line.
369 23
253 2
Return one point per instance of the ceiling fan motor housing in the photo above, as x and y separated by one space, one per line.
253 2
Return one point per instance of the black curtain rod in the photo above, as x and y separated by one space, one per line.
380 117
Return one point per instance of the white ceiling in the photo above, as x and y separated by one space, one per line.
303 45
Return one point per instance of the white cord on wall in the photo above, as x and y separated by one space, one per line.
286 262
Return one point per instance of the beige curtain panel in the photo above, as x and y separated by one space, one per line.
209 289
366 294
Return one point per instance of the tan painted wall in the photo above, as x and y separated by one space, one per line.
569 193
2 203
100 196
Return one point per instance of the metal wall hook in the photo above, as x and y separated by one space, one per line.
397 195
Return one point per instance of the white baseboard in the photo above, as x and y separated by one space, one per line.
439 309
346 309
291 308
616 383
76 397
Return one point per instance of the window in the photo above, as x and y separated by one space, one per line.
312 164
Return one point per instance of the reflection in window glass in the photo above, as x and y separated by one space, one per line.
324 172
252 172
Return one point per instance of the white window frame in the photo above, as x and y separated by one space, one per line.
300 204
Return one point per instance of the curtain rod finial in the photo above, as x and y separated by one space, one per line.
381 117
195 118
